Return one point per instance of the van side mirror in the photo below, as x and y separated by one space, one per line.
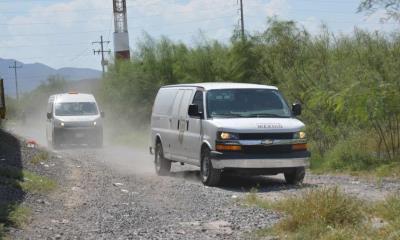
296 109
102 114
194 111
49 116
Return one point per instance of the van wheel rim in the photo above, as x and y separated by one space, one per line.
205 167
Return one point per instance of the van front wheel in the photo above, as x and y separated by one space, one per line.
162 165
209 175
295 176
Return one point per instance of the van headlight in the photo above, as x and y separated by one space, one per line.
62 124
94 123
228 136
300 135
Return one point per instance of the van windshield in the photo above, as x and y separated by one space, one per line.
76 109
246 103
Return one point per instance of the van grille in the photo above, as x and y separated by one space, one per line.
257 149
78 124
263 136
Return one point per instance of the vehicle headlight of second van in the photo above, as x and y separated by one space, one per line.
88 124
58 123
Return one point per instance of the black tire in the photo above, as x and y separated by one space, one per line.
295 176
162 165
99 141
55 142
209 175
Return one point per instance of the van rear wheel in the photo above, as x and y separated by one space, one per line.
209 175
295 176
99 141
162 165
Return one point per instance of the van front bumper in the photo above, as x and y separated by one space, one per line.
78 135
265 161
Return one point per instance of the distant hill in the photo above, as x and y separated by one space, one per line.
32 75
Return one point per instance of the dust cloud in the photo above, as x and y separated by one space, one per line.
126 148
126 145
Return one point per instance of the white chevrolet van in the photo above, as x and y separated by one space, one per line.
74 118
228 127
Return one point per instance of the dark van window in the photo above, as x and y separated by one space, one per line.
198 99
76 109
246 103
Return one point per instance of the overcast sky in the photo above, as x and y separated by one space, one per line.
59 32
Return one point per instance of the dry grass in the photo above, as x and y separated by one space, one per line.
252 199
13 215
328 213
42 156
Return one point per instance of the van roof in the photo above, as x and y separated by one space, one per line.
73 97
222 85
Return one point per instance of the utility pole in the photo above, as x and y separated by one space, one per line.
121 35
16 78
101 51
241 19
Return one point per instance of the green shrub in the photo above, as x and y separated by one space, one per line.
26 180
356 153
14 215
390 209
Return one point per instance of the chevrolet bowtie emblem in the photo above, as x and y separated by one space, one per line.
268 142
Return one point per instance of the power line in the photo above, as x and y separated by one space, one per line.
101 51
47 45
50 34
135 27
16 77
103 19
81 54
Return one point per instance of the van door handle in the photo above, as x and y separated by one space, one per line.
187 125
178 124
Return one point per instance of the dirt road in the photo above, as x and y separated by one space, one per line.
113 193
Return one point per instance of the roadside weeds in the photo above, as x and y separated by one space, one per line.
19 178
329 213
16 214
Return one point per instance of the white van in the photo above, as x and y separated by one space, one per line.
228 127
74 118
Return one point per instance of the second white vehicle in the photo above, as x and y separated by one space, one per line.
74 118
228 127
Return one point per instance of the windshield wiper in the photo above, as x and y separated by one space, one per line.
227 115
264 115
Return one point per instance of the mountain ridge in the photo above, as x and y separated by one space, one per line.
31 75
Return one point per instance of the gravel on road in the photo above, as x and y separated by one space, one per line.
113 193
97 202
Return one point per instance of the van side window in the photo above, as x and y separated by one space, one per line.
198 99
164 101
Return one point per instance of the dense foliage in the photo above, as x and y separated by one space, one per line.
349 84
